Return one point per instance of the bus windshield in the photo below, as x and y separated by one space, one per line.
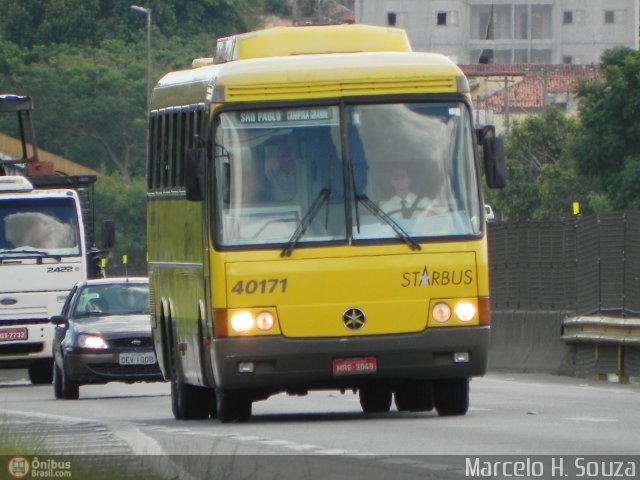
46 226
405 170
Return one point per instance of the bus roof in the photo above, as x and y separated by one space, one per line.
312 75
283 41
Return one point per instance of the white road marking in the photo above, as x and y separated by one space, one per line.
591 419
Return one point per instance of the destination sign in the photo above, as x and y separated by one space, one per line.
297 116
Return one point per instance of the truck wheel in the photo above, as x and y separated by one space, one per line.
451 396
233 407
414 396
70 388
41 372
375 398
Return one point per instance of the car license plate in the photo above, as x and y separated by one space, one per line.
8 334
354 366
147 358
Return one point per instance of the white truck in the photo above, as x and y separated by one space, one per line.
46 246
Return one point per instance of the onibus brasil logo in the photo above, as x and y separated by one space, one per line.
20 466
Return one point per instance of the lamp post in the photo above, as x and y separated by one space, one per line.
147 12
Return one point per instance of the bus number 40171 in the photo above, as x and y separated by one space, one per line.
250 287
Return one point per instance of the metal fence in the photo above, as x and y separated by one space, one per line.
588 264
580 276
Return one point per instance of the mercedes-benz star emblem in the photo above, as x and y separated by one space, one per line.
354 319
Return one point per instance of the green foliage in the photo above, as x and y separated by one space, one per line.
608 140
126 206
542 181
278 7
85 23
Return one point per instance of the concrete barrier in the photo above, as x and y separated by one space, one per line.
530 341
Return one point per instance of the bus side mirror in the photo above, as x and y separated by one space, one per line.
108 234
495 170
194 171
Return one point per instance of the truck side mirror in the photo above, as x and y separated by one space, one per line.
58 320
194 174
108 234
495 170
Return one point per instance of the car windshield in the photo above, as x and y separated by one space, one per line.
112 299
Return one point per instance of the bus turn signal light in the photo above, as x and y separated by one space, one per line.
245 322
441 312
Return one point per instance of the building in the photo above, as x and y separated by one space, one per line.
503 94
510 31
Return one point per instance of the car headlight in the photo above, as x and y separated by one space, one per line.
91 341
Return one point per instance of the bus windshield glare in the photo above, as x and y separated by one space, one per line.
405 170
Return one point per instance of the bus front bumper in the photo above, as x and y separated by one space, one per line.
285 364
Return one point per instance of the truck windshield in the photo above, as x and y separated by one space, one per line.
406 171
38 226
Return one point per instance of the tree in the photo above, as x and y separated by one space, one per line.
88 23
126 206
542 181
89 104
84 64
607 142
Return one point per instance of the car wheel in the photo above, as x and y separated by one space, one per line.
57 381
414 396
41 372
375 398
233 406
451 396
70 388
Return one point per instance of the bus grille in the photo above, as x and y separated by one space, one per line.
338 89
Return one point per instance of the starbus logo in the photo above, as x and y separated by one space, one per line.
19 466
426 278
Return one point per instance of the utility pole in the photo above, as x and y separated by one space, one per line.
147 12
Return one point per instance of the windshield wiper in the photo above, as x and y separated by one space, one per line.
30 251
381 215
322 197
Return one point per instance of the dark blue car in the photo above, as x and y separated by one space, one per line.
104 335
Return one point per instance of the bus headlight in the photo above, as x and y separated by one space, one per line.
441 312
249 322
242 321
465 311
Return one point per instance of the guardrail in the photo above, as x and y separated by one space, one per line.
605 345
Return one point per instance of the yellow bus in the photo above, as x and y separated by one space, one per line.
316 221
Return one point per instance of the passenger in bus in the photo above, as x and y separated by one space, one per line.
280 171
404 203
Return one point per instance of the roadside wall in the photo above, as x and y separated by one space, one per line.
544 272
